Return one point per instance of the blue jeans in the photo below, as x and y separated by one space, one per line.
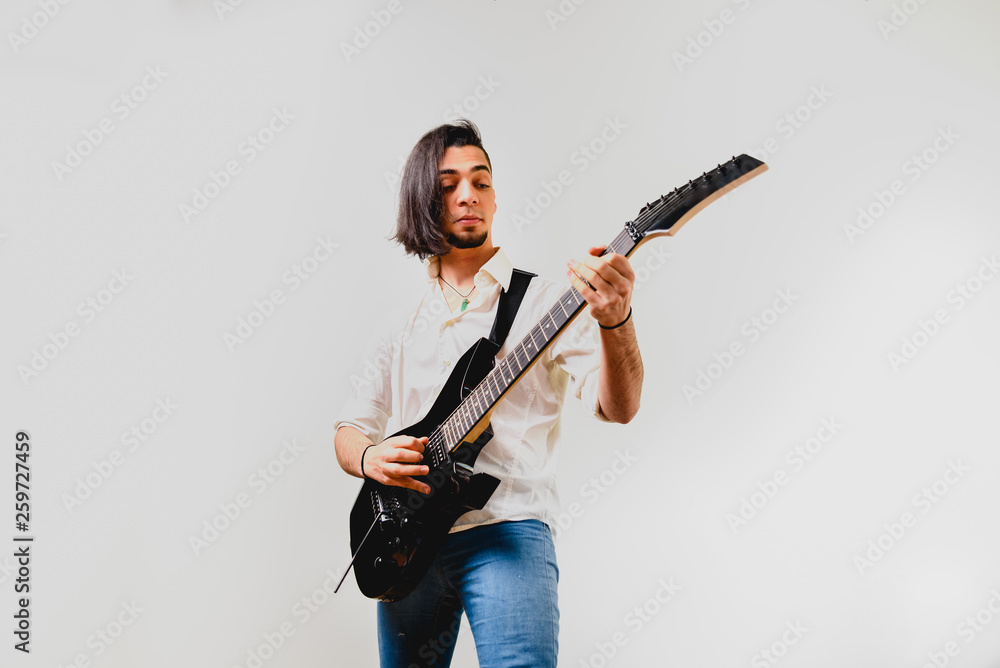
504 577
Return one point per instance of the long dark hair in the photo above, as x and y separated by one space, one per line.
421 201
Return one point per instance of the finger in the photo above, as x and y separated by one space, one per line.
614 272
589 271
584 289
405 455
402 470
414 444
410 483
576 278
596 250
622 265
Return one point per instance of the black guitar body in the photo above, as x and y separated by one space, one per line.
396 532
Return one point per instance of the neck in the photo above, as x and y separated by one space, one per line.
460 265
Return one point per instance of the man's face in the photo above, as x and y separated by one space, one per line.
469 201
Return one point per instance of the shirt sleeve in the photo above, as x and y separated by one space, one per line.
577 351
369 405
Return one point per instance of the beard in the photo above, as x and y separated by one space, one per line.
469 239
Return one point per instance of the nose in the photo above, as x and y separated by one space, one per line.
466 194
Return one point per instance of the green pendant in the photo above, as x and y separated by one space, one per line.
464 304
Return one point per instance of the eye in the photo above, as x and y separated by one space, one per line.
484 186
447 188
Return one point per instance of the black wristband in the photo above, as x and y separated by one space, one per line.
619 324
365 452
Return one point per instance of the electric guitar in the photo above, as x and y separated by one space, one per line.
395 531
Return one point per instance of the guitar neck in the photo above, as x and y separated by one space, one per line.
664 217
509 370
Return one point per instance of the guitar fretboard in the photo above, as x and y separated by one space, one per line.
669 212
508 370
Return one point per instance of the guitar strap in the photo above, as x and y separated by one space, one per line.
510 301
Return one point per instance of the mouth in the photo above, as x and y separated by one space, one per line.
468 220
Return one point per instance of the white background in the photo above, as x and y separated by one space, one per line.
691 85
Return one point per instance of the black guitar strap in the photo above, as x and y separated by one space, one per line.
510 301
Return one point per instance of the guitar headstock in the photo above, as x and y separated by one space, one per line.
668 214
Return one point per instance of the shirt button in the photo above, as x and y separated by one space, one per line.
447 362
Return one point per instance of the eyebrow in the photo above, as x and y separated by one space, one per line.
477 168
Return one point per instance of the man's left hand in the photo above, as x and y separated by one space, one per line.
610 278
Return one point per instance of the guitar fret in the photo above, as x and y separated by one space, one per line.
519 352
514 362
531 333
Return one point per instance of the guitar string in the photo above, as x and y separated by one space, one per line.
642 222
466 420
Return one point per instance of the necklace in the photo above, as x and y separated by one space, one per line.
465 297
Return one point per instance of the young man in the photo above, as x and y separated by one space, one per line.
498 564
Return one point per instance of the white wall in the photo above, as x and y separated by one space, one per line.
879 92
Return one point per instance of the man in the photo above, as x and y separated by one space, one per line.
497 564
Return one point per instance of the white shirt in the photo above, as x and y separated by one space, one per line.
411 361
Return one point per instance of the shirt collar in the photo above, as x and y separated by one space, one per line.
498 268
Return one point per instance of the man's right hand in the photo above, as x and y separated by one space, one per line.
395 460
